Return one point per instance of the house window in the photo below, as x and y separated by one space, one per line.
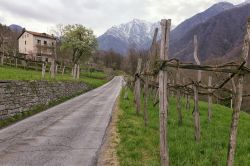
27 35
38 41
25 42
45 42
52 43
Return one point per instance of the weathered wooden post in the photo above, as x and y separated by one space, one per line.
63 70
231 100
209 99
138 87
234 92
52 69
178 98
238 101
196 112
145 113
163 96
147 69
187 105
43 70
196 115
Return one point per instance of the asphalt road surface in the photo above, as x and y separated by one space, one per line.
69 134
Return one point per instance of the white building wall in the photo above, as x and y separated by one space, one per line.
26 43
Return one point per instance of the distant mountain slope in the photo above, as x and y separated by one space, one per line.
16 28
202 17
136 34
219 36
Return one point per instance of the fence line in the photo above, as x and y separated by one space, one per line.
193 87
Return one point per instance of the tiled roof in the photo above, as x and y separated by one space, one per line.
44 35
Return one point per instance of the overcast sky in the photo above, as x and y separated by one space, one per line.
42 15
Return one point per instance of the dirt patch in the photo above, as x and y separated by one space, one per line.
108 154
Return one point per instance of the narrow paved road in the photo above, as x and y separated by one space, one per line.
69 134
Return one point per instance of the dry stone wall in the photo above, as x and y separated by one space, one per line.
20 96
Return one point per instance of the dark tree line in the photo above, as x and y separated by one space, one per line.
116 61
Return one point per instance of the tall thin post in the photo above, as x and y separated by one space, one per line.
231 101
196 113
209 99
178 98
138 87
43 70
146 97
238 101
163 96
234 92
52 69
63 70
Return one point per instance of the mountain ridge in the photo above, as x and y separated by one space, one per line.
134 34
138 33
221 36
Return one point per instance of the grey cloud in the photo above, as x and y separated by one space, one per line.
102 14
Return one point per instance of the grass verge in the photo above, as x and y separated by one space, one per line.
139 145
11 73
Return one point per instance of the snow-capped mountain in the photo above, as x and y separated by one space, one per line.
134 34
138 33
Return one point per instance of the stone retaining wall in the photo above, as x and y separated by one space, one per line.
20 96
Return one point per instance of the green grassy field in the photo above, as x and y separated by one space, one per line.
139 145
94 79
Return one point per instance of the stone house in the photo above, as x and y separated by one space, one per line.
37 46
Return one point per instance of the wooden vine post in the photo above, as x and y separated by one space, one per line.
209 99
238 101
138 87
234 92
52 69
178 98
196 113
63 70
163 102
43 70
147 69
